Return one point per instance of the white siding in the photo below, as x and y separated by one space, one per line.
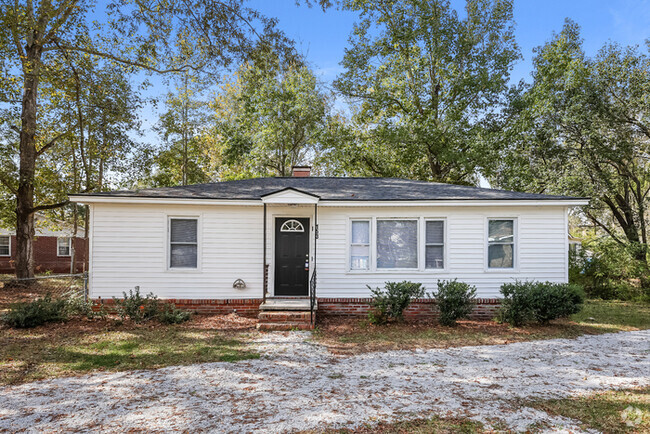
129 247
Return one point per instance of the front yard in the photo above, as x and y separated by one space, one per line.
352 336
80 345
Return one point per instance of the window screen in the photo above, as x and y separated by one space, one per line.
4 246
501 243
397 244
183 243
435 244
360 245
63 246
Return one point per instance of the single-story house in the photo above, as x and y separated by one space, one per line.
55 245
279 243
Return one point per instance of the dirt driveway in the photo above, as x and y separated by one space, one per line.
299 385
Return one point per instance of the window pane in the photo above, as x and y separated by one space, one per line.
359 257
183 230
435 232
4 246
397 244
500 256
435 257
183 256
360 232
63 246
501 231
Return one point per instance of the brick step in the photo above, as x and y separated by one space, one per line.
281 316
283 326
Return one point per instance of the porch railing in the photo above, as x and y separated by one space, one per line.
312 295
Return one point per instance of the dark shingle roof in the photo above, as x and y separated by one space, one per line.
332 188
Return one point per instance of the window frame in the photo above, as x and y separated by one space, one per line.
58 241
9 245
515 246
424 244
168 244
350 244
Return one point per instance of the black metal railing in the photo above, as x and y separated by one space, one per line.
312 295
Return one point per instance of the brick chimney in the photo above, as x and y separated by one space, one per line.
301 171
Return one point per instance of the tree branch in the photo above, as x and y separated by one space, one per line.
49 144
51 206
123 60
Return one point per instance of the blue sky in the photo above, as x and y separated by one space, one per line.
323 36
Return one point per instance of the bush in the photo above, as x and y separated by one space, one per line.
455 300
539 301
171 315
389 303
35 313
608 270
136 307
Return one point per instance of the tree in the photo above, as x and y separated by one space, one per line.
181 128
35 39
269 118
582 128
423 81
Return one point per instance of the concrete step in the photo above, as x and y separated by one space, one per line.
299 304
283 326
281 316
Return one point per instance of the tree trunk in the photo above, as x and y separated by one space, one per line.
27 169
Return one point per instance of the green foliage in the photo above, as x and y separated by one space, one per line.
35 313
606 270
455 300
269 117
542 302
388 304
171 315
424 80
137 308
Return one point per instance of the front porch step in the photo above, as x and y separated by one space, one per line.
284 320
285 304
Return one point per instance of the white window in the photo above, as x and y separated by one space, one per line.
292 226
63 247
397 244
360 245
434 253
501 243
5 245
183 242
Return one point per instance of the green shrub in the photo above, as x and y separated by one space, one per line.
77 304
608 270
136 307
539 301
171 315
35 313
389 303
455 300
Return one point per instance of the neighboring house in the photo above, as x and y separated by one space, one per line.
53 248
231 245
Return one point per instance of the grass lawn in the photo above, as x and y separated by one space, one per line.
80 346
350 336
604 411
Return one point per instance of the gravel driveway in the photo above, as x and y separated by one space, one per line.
298 385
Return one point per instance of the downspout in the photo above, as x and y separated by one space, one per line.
264 271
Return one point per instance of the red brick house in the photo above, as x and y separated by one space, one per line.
54 247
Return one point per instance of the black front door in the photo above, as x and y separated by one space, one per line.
291 256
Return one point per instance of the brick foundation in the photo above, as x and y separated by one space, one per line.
422 309
245 307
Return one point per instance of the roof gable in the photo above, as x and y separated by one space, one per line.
290 195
